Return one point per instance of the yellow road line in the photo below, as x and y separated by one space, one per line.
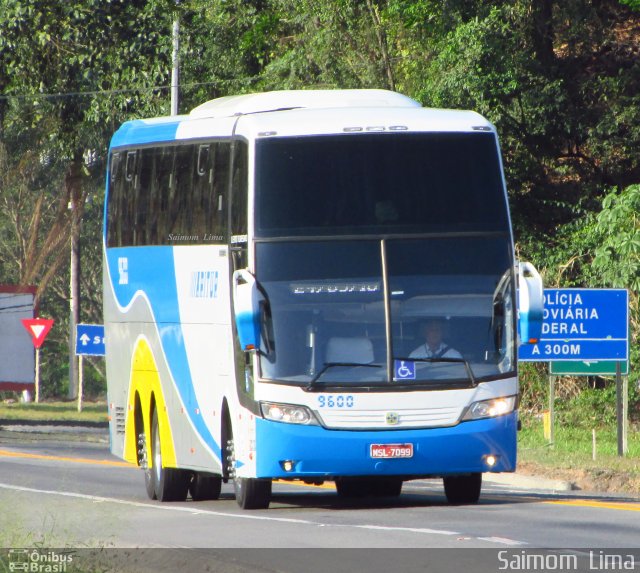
325 485
8 454
622 506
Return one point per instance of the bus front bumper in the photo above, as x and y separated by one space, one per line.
301 452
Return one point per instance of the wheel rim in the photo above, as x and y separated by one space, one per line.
157 455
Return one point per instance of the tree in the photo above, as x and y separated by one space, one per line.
66 64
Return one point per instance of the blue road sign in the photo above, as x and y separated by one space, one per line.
90 339
582 324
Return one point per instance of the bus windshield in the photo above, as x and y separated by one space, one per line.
379 183
325 321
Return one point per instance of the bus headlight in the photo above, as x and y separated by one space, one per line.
288 413
490 408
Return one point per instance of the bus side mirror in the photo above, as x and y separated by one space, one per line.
530 304
246 308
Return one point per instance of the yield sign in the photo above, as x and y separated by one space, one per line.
38 328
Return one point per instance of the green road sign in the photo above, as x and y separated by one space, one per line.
587 368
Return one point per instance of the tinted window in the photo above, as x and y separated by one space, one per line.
370 183
168 195
325 303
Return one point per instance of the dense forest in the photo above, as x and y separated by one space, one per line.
559 79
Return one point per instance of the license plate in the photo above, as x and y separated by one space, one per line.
391 450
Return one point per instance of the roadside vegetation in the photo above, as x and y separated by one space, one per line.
92 412
583 405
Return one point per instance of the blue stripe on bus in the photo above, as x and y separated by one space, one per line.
139 132
319 452
147 271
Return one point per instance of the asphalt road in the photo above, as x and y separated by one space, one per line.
75 494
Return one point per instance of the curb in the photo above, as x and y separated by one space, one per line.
529 482
30 430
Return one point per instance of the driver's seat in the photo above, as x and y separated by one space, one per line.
357 350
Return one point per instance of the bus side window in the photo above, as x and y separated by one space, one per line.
239 200
114 221
141 197
218 203
151 165
201 190
239 190
162 192
181 193
128 198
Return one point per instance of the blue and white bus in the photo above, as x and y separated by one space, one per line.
271 261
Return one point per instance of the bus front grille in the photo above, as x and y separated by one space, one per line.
390 419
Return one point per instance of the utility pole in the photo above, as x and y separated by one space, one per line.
175 69
73 183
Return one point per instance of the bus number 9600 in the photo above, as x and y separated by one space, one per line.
339 401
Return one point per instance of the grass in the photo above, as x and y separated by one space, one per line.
54 411
570 456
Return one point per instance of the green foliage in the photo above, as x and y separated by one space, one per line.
592 408
534 385
617 229
633 4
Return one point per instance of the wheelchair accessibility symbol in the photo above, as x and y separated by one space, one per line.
404 370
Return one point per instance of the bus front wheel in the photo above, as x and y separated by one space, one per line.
463 489
251 493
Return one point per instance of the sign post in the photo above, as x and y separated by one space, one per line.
38 328
89 342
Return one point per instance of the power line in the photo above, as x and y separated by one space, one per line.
61 95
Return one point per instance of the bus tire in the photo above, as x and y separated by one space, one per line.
251 493
149 473
171 484
463 489
205 487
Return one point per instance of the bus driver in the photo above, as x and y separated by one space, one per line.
434 347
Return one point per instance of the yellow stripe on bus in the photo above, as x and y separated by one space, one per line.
145 382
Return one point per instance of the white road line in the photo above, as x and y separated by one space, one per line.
196 511
503 541
409 529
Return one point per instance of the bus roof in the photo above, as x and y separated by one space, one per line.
294 99
301 112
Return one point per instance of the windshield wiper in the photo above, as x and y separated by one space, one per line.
467 366
328 365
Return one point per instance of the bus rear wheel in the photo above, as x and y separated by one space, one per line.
463 489
144 453
205 487
171 484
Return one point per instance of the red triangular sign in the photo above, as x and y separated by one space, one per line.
38 328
